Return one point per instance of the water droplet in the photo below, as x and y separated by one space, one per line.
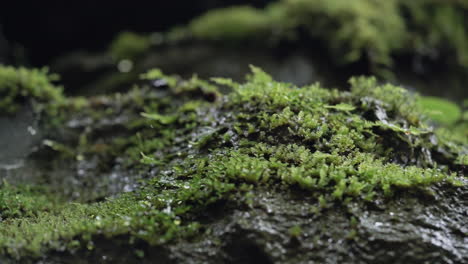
32 131
159 83
125 65
127 188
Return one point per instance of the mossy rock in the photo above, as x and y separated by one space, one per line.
269 172
426 37
420 43
376 31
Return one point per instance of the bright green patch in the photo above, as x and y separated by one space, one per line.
440 110
463 160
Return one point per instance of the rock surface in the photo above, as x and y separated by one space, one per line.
186 210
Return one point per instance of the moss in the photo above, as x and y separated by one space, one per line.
128 45
231 24
359 32
361 26
352 30
397 100
198 148
24 201
128 114
295 231
463 160
440 25
19 84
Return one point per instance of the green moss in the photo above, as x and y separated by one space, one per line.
440 25
360 26
463 160
295 231
397 101
199 148
17 85
128 45
375 31
231 24
351 28
24 201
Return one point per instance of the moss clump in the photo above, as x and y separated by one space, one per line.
200 149
130 113
463 160
23 201
440 25
231 24
353 30
128 45
19 84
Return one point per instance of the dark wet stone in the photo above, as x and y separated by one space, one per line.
414 228
411 229
19 136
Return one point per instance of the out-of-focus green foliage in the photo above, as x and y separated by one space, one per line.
375 30
351 29
128 45
19 84
231 24
440 110
438 25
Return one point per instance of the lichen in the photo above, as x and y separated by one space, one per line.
198 148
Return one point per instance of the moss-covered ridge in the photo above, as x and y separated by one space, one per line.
335 146
353 30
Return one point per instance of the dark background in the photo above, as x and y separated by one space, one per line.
39 31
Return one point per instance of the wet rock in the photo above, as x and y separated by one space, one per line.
19 137
237 180
410 229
